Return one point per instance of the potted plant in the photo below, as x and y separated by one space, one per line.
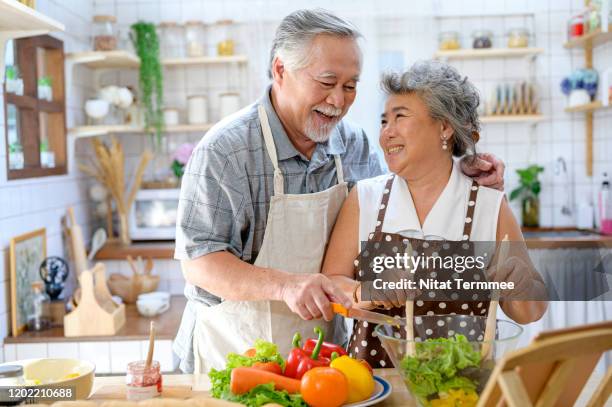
180 159
529 191
146 43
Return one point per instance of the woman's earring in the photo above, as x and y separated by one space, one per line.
444 144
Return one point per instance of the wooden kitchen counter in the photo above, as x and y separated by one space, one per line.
184 386
136 327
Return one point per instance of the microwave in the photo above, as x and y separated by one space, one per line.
153 214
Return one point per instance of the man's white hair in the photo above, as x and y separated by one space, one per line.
295 33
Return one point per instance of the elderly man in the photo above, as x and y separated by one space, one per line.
261 193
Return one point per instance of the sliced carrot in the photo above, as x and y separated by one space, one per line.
339 309
243 379
250 352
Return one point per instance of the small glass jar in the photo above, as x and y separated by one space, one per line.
222 42
229 103
171 116
449 40
576 27
197 108
38 319
143 382
482 39
172 38
104 33
195 38
518 38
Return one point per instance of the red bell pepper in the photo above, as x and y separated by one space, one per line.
326 349
295 357
314 360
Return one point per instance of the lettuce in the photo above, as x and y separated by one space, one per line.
436 364
260 395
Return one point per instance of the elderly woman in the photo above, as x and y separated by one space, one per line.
430 116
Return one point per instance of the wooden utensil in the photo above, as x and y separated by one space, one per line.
151 344
490 327
78 243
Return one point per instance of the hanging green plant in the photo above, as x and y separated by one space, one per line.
145 40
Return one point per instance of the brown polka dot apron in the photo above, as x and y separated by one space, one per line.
363 343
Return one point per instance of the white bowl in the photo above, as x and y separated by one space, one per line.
59 373
161 295
152 307
97 108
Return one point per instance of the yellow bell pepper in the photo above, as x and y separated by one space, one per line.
360 380
456 398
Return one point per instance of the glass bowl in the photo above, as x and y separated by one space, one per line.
443 365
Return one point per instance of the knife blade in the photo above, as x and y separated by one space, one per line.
363 315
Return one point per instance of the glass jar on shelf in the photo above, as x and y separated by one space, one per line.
172 38
575 27
104 33
221 41
194 32
518 38
448 41
482 39
38 319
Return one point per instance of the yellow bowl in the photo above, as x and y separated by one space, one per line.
59 373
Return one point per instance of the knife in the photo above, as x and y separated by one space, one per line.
363 315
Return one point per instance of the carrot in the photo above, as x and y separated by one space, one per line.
268 366
243 379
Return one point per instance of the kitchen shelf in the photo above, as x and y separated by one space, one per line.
124 59
105 59
488 53
528 118
92 131
239 59
18 21
590 40
589 107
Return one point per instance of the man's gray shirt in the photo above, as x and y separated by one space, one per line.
227 186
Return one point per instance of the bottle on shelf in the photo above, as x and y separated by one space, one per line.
605 206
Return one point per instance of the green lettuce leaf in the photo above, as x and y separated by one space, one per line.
435 365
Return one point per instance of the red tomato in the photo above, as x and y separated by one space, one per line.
271 367
324 387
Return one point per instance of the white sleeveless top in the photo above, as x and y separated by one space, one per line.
446 219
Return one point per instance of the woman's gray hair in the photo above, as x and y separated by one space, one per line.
448 96
297 30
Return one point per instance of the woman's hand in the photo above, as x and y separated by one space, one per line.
517 271
486 169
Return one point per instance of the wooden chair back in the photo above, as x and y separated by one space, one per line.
552 370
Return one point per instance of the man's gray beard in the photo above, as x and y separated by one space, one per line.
318 134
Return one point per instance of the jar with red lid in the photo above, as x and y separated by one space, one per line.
143 382
576 27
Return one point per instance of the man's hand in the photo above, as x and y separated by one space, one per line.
310 296
486 169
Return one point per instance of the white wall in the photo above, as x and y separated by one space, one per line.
26 205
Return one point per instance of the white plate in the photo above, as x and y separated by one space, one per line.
382 390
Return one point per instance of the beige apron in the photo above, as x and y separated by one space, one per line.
297 232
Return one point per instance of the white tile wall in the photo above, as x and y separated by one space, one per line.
26 205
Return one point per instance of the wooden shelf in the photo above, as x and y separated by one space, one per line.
18 21
155 250
488 53
127 60
92 131
22 21
105 59
239 59
590 40
528 118
589 107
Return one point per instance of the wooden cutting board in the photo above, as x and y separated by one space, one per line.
118 392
